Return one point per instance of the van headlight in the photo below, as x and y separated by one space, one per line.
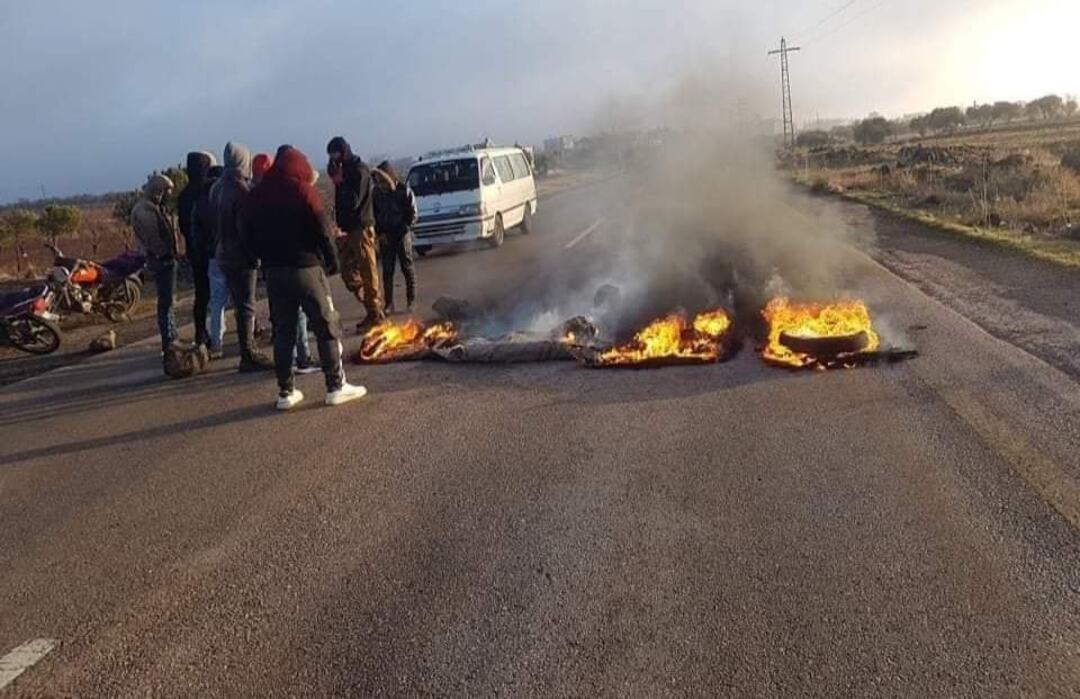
469 210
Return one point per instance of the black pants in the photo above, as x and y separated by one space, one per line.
291 289
200 272
241 281
393 251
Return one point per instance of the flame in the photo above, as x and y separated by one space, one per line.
712 323
393 339
808 319
673 338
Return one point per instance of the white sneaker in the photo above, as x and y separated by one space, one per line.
345 394
288 401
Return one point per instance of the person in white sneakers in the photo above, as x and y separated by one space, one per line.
287 228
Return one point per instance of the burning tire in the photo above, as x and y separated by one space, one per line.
826 346
670 341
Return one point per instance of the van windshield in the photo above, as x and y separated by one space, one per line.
445 177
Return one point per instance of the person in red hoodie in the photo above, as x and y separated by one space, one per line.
286 227
260 165
304 363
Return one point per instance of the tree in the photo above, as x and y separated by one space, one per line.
18 224
1047 107
842 133
1007 111
121 213
921 124
1070 107
15 226
872 130
813 139
56 221
946 119
982 114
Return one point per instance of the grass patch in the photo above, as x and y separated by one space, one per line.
1061 252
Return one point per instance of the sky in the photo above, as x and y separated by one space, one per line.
98 94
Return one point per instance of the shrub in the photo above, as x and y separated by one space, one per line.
873 130
813 139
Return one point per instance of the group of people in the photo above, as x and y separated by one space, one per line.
264 212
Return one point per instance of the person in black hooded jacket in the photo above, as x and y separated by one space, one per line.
198 167
355 215
395 214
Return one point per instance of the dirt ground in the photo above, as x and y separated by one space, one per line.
1008 183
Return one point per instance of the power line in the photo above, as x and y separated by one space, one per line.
852 20
834 13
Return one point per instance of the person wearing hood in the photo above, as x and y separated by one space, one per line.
288 229
198 167
303 361
156 236
395 214
237 263
204 244
355 214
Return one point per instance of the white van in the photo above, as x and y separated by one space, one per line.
472 193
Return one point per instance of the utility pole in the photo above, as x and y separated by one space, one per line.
785 89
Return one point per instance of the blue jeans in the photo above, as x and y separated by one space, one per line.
164 271
302 354
219 298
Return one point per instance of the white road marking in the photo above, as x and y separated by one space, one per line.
587 232
17 661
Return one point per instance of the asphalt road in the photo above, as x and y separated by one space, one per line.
550 530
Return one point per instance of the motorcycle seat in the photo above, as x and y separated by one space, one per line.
10 299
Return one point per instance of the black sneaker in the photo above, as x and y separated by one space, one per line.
305 368
255 362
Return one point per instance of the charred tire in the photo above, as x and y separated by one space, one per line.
825 346
526 226
499 235
34 335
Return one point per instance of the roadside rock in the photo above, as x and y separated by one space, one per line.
106 342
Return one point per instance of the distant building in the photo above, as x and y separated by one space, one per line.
559 145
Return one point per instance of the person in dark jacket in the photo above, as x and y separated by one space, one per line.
198 165
287 228
204 242
355 215
156 234
239 265
395 214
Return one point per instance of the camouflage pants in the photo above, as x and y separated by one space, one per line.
360 268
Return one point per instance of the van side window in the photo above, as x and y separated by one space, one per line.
521 166
486 172
506 172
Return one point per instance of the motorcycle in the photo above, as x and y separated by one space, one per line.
26 322
111 288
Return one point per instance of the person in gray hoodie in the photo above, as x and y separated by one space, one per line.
228 197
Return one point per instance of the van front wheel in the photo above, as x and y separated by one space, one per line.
499 234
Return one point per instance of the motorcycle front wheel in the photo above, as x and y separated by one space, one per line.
33 334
